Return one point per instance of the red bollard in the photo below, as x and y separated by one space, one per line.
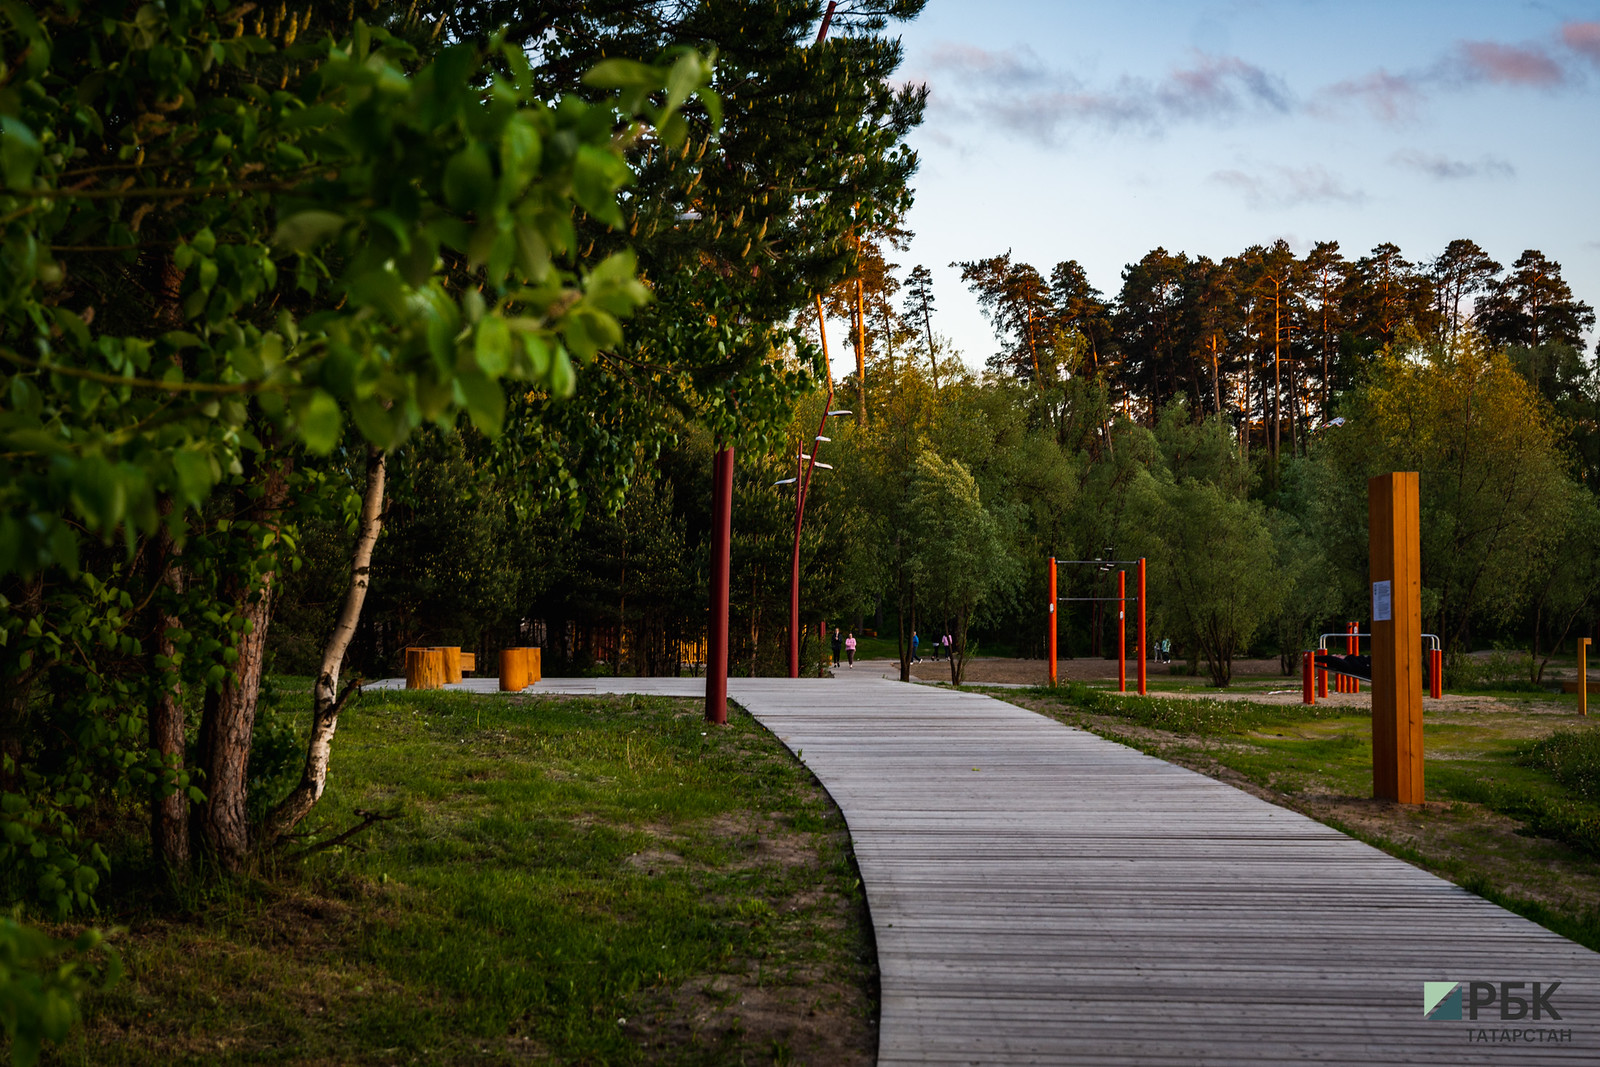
1436 663
1143 688
1053 603
1354 644
1322 680
1308 686
1122 631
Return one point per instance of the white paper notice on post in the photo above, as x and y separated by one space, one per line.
1381 610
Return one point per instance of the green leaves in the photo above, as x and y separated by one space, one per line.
306 229
19 154
469 179
39 987
597 175
319 420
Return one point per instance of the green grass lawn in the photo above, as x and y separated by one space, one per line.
590 881
1513 788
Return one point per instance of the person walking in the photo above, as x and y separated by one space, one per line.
946 644
850 650
914 658
837 641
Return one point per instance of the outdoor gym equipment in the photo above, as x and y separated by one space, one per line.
1122 615
1353 669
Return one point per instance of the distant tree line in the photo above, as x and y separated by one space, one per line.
1269 339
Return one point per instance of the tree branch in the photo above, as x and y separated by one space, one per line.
368 818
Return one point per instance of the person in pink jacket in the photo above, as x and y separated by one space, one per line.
850 649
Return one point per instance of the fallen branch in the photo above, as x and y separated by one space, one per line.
368 818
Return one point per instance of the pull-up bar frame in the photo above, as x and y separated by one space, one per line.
1122 616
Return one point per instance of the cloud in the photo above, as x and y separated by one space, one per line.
1282 187
1504 64
1446 169
1014 89
1584 39
1398 98
1391 97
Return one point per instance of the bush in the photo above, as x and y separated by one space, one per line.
40 983
1571 757
1502 669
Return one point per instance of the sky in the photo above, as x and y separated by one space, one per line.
1098 131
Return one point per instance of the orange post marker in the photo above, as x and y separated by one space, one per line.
1436 665
1396 560
1308 682
1583 676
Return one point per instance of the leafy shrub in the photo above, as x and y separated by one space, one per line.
41 979
1501 669
277 752
1571 757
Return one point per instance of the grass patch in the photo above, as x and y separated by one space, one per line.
1200 717
1512 810
601 880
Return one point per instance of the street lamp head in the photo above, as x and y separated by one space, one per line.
841 411
786 481
819 437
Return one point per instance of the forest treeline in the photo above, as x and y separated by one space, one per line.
1267 338
949 489
944 503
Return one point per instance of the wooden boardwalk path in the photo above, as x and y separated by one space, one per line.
1041 895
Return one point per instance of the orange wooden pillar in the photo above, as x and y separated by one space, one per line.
1052 634
452 662
520 668
1396 571
425 668
1308 679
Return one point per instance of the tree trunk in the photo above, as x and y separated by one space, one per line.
220 823
325 699
169 804
861 350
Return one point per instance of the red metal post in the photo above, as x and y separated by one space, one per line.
794 563
1122 631
1308 683
827 18
1143 689
1355 648
1322 681
1052 637
717 626
1436 668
